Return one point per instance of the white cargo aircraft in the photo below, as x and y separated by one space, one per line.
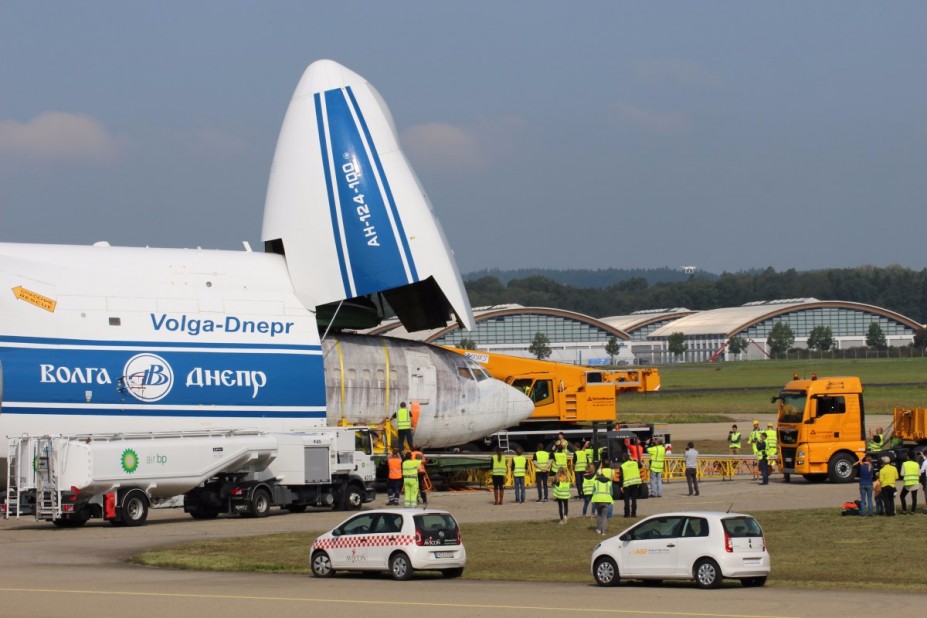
112 339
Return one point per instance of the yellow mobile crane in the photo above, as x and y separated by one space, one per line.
567 398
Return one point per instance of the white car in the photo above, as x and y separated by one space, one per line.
704 546
396 540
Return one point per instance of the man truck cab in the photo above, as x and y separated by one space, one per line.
821 428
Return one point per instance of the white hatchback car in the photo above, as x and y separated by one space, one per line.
396 540
704 546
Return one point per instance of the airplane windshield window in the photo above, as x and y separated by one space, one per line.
464 373
479 373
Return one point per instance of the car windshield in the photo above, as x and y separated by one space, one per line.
742 527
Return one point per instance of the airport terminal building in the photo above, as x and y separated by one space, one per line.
581 339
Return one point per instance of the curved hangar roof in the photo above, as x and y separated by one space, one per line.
640 324
513 324
729 321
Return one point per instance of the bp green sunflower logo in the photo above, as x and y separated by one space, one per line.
129 460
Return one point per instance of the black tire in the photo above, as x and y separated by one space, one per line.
260 503
296 508
840 468
134 511
753 582
815 478
321 565
204 513
400 567
707 573
352 498
449 573
605 572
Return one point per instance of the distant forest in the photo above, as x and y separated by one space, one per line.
602 293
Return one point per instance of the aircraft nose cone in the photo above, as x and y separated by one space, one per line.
520 407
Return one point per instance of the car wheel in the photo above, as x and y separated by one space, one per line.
400 567
753 582
605 572
321 565
707 573
452 572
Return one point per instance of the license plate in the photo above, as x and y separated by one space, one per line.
444 554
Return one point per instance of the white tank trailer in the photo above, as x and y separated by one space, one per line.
71 479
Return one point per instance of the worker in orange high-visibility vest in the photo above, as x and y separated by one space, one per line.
394 477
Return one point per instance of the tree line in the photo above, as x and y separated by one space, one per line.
895 288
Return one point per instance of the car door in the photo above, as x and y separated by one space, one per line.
384 538
650 549
351 548
691 544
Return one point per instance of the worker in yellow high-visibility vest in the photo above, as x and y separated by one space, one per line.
519 468
541 470
410 480
580 462
657 454
601 500
403 418
499 470
910 477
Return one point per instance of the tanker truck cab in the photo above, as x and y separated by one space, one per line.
821 428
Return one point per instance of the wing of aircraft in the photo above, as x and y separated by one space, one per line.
116 339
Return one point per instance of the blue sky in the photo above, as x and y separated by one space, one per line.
727 135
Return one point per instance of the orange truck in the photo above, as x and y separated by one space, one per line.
822 428
567 398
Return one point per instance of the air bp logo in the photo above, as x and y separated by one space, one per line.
129 460
148 377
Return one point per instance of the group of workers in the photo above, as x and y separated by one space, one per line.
765 449
406 477
597 483
877 490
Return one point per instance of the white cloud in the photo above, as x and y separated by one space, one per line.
677 72
666 123
53 136
443 146
210 142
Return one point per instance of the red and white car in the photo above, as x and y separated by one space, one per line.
399 541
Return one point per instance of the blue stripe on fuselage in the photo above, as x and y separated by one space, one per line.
153 374
390 202
330 189
373 253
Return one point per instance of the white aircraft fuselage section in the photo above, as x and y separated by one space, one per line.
108 339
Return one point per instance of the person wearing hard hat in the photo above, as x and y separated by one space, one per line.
756 435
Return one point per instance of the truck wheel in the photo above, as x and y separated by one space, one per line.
134 509
840 468
260 503
354 497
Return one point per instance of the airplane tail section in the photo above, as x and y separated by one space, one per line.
347 211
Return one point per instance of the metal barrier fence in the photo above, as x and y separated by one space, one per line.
709 467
